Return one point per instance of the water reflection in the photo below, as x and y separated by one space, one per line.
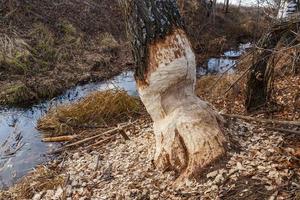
224 63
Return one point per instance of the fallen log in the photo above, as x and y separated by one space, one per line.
66 138
268 121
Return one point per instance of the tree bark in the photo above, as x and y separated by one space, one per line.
187 132
227 6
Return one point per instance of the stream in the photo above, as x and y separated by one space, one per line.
224 62
21 148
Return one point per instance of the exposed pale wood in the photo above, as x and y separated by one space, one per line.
59 138
187 132
268 121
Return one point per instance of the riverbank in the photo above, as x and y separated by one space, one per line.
90 66
260 163
21 146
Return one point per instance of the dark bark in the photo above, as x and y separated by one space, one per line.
258 91
227 6
148 21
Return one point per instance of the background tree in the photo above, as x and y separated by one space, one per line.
187 131
281 33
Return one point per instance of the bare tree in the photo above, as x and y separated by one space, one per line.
187 132
260 81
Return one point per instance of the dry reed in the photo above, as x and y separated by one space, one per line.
105 108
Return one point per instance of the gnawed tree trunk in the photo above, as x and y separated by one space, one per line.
260 80
187 132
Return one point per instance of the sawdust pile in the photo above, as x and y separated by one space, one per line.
258 166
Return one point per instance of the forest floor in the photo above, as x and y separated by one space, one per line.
260 163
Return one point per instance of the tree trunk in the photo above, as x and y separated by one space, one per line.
187 132
258 88
227 6
260 80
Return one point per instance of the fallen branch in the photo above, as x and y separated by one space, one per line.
268 121
106 140
237 80
124 135
283 130
85 140
66 138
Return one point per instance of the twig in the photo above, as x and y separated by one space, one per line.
268 121
283 130
237 80
124 135
235 64
112 131
97 162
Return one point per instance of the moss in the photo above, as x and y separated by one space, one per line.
14 55
70 41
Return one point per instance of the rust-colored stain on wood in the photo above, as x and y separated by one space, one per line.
164 51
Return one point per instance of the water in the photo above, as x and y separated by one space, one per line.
223 63
18 129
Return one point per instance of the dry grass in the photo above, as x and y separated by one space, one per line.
107 42
14 54
42 179
105 108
